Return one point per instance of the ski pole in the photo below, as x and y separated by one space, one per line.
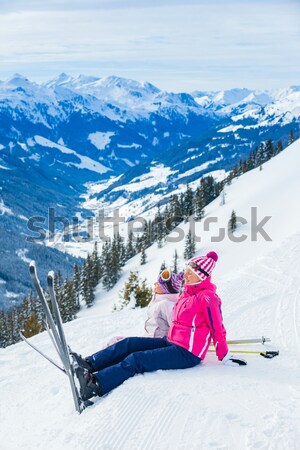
267 354
261 340
41 353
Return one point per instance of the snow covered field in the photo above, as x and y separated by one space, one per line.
207 407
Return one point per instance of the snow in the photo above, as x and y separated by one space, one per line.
4 209
210 406
85 161
200 168
100 139
158 174
231 128
21 253
133 145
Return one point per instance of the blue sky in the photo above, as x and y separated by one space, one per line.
177 45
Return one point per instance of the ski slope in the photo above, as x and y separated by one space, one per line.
207 407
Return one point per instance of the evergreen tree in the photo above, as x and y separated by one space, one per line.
163 266
291 138
68 302
137 289
208 186
87 282
143 257
4 337
176 212
115 261
77 284
96 266
106 260
190 246
31 326
278 148
188 203
232 222
130 252
199 204
175 262
269 149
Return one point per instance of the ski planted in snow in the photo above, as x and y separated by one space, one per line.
57 335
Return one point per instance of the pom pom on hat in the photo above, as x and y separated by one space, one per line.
203 266
213 256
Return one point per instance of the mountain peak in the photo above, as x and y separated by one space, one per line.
17 79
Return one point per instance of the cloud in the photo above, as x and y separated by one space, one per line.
166 41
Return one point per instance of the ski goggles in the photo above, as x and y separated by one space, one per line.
195 266
165 275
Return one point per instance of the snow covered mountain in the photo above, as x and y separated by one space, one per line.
116 142
210 406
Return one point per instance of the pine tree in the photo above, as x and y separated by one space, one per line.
279 147
77 284
199 204
4 338
143 257
208 186
31 326
130 252
223 198
163 266
291 138
87 282
160 228
138 289
96 266
232 222
175 262
190 246
115 262
106 261
176 212
269 149
188 203
68 303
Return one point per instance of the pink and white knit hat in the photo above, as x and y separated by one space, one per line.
203 266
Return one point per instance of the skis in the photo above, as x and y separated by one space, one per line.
57 335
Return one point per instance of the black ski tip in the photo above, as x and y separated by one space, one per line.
32 267
270 354
50 278
50 281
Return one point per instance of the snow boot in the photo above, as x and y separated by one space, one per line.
89 386
82 362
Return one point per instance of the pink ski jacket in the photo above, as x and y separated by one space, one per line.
198 320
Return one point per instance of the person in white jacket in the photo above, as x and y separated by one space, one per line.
166 291
160 310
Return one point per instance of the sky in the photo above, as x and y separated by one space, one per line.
179 46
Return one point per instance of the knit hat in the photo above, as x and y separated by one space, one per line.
170 282
203 266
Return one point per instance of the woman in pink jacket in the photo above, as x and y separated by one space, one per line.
197 321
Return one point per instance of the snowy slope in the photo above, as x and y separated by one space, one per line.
207 407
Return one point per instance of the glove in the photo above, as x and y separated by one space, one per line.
230 360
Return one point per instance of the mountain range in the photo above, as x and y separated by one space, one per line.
80 143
